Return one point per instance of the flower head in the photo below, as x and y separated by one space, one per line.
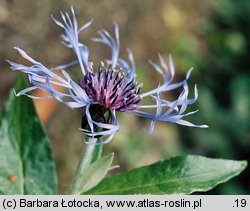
109 89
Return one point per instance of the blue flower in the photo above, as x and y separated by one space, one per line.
109 89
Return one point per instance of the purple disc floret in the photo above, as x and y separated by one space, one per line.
111 89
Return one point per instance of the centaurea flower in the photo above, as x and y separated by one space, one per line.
109 89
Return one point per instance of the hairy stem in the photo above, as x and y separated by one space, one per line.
89 154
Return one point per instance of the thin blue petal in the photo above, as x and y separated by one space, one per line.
42 78
70 38
113 43
109 129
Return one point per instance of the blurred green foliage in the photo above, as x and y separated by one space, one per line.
224 91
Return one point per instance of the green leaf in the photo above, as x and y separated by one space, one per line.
93 174
26 164
178 175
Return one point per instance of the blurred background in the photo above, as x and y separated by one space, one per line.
211 36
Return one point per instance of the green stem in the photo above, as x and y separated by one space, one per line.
89 154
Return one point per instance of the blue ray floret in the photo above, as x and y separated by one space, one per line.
110 89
